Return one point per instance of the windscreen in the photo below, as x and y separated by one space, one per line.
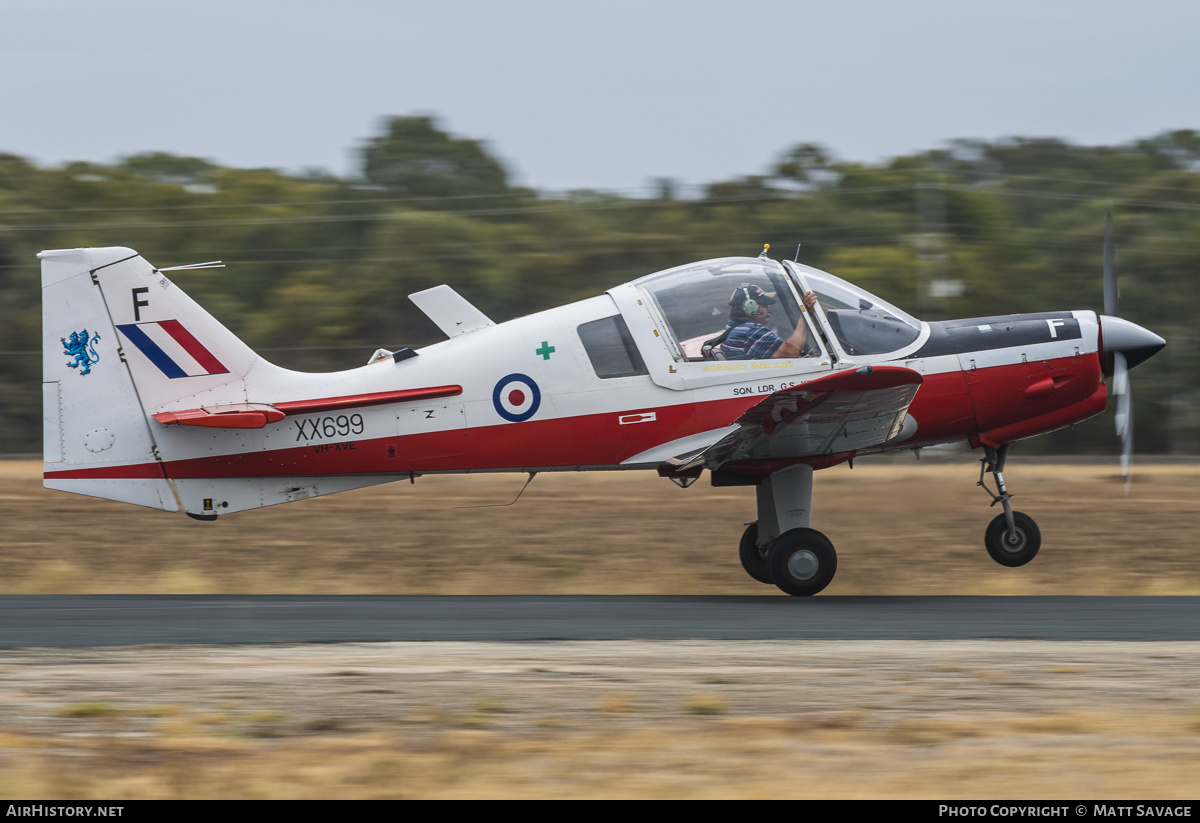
863 323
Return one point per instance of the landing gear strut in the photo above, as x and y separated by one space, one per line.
1012 538
781 548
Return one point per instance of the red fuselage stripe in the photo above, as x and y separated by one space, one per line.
943 410
136 471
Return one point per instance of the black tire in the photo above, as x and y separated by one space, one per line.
802 562
1024 547
754 559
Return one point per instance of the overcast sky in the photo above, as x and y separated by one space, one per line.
588 95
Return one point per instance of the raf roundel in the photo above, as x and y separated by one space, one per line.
516 397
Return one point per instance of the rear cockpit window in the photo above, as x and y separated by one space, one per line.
610 348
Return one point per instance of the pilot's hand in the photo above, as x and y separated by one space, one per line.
809 300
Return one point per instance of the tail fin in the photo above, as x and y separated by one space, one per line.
118 340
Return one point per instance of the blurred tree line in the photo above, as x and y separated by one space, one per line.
319 267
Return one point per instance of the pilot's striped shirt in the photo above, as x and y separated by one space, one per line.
748 340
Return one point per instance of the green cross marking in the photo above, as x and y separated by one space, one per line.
545 351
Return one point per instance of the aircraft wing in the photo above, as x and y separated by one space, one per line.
843 412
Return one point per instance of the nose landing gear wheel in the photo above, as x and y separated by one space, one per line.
754 559
802 562
1017 549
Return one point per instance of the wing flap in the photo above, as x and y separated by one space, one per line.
836 414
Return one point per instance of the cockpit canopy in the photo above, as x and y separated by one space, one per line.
696 302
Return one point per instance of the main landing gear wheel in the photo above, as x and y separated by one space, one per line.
802 562
1016 549
754 559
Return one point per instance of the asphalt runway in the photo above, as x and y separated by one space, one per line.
29 621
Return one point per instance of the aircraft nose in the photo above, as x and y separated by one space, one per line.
1138 344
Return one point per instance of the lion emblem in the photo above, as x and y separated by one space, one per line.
83 349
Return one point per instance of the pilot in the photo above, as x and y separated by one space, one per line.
747 337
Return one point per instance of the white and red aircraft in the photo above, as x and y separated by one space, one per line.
149 400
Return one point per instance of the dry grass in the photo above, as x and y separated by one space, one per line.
900 528
798 719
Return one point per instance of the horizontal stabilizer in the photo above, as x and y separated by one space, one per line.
355 401
258 415
232 416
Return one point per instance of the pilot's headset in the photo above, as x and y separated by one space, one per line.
747 299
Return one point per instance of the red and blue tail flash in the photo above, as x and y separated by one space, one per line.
171 347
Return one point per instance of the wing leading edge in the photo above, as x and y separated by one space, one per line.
836 414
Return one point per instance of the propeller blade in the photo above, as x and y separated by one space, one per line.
1124 415
1120 390
1120 375
1112 295
1127 449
